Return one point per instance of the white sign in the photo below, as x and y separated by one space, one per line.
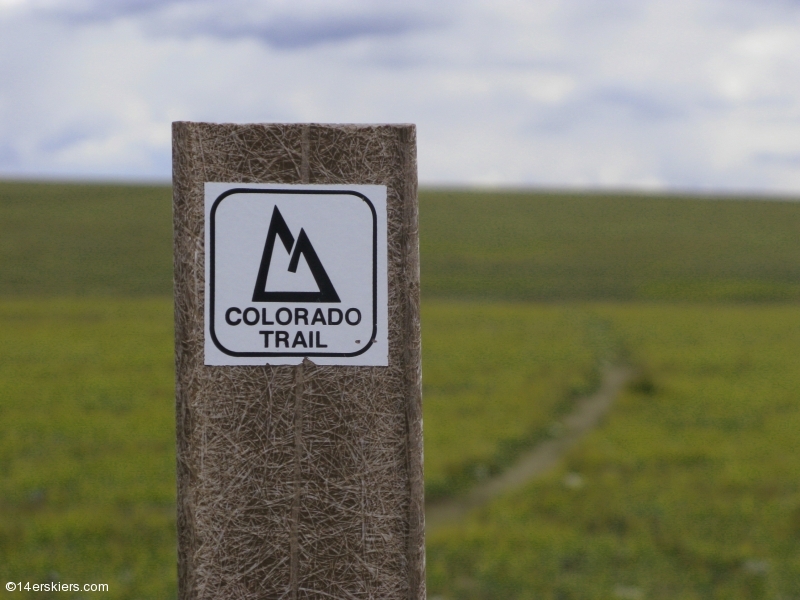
295 271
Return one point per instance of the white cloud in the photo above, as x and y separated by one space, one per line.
698 94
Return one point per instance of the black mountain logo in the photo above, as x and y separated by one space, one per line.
278 228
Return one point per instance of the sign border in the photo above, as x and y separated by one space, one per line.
212 270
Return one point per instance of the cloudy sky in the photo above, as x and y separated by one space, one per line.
672 94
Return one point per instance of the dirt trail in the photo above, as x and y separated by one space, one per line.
584 417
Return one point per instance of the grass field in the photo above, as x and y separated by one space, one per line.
87 459
85 240
497 377
116 240
688 491
559 247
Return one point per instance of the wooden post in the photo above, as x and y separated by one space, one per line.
298 481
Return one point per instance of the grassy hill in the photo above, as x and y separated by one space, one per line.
689 490
557 247
72 239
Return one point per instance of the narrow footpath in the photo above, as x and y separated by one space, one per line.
585 416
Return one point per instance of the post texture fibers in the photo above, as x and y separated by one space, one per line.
298 481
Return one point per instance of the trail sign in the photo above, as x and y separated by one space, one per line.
298 382
295 271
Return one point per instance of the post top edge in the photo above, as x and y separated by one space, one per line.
310 124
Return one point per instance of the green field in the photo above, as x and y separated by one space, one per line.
116 240
558 247
690 489
85 240
497 377
87 437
